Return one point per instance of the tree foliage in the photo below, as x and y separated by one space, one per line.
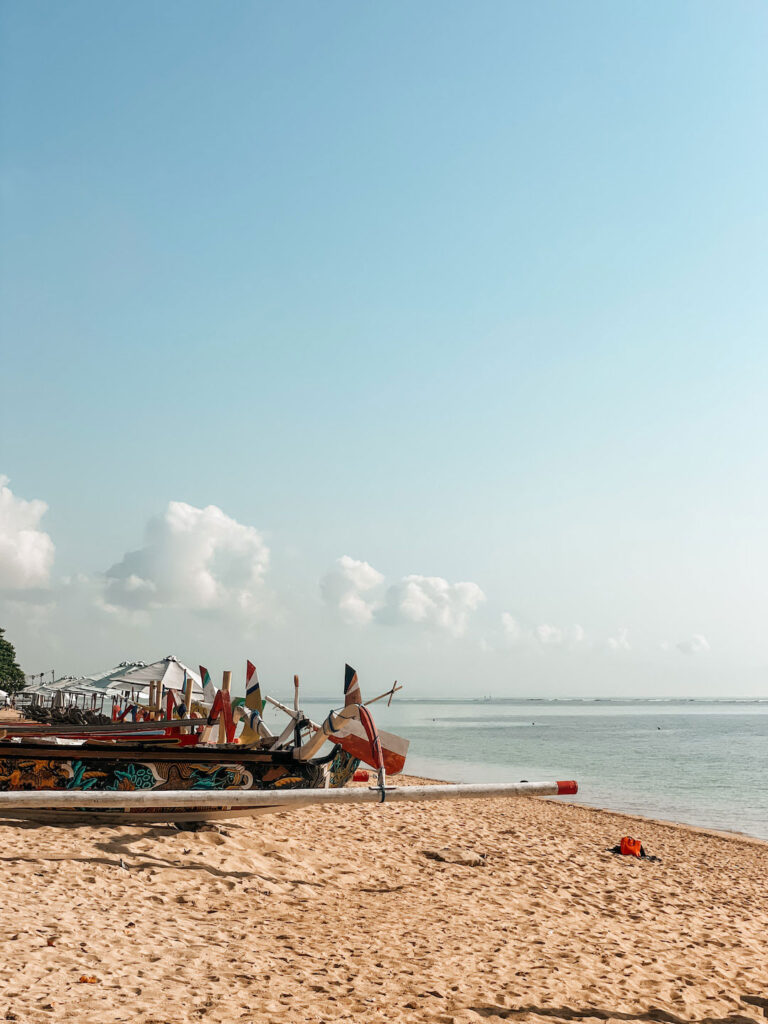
11 676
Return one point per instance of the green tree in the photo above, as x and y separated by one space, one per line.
11 676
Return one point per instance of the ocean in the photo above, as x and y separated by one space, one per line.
701 763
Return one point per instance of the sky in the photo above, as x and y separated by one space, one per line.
427 336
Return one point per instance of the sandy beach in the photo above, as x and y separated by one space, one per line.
333 914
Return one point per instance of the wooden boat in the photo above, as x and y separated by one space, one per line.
143 767
102 767
177 753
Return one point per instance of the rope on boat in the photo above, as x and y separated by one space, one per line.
376 749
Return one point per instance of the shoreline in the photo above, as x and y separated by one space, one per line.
717 833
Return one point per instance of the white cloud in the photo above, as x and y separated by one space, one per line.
351 587
197 558
548 636
345 587
432 601
556 636
544 635
512 628
575 636
26 553
697 644
620 642
517 632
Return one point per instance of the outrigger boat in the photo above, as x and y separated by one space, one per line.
145 748
160 761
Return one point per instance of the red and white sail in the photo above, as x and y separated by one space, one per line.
353 738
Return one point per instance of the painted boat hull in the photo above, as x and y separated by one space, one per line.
141 766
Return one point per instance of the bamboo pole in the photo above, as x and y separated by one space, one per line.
277 799
226 684
389 693
188 701
290 728
297 712
281 707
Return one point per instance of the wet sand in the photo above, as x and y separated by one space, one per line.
331 914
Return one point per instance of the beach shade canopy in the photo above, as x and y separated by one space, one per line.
169 671
74 684
64 684
37 688
103 680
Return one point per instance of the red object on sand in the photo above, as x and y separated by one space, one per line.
567 787
360 776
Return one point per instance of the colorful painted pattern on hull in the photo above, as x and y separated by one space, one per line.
108 775
343 767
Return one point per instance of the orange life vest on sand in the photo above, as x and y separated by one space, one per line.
631 847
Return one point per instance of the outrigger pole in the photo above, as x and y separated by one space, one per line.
167 801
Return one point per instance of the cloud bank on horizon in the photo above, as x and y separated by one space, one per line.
202 560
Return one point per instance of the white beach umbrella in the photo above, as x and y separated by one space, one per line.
69 683
169 671
102 680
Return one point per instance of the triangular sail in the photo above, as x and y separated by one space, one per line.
209 690
253 699
250 713
353 737
351 687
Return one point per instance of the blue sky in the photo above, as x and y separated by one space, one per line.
467 292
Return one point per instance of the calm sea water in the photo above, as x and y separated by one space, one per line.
700 763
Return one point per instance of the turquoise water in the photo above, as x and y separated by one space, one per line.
700 763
